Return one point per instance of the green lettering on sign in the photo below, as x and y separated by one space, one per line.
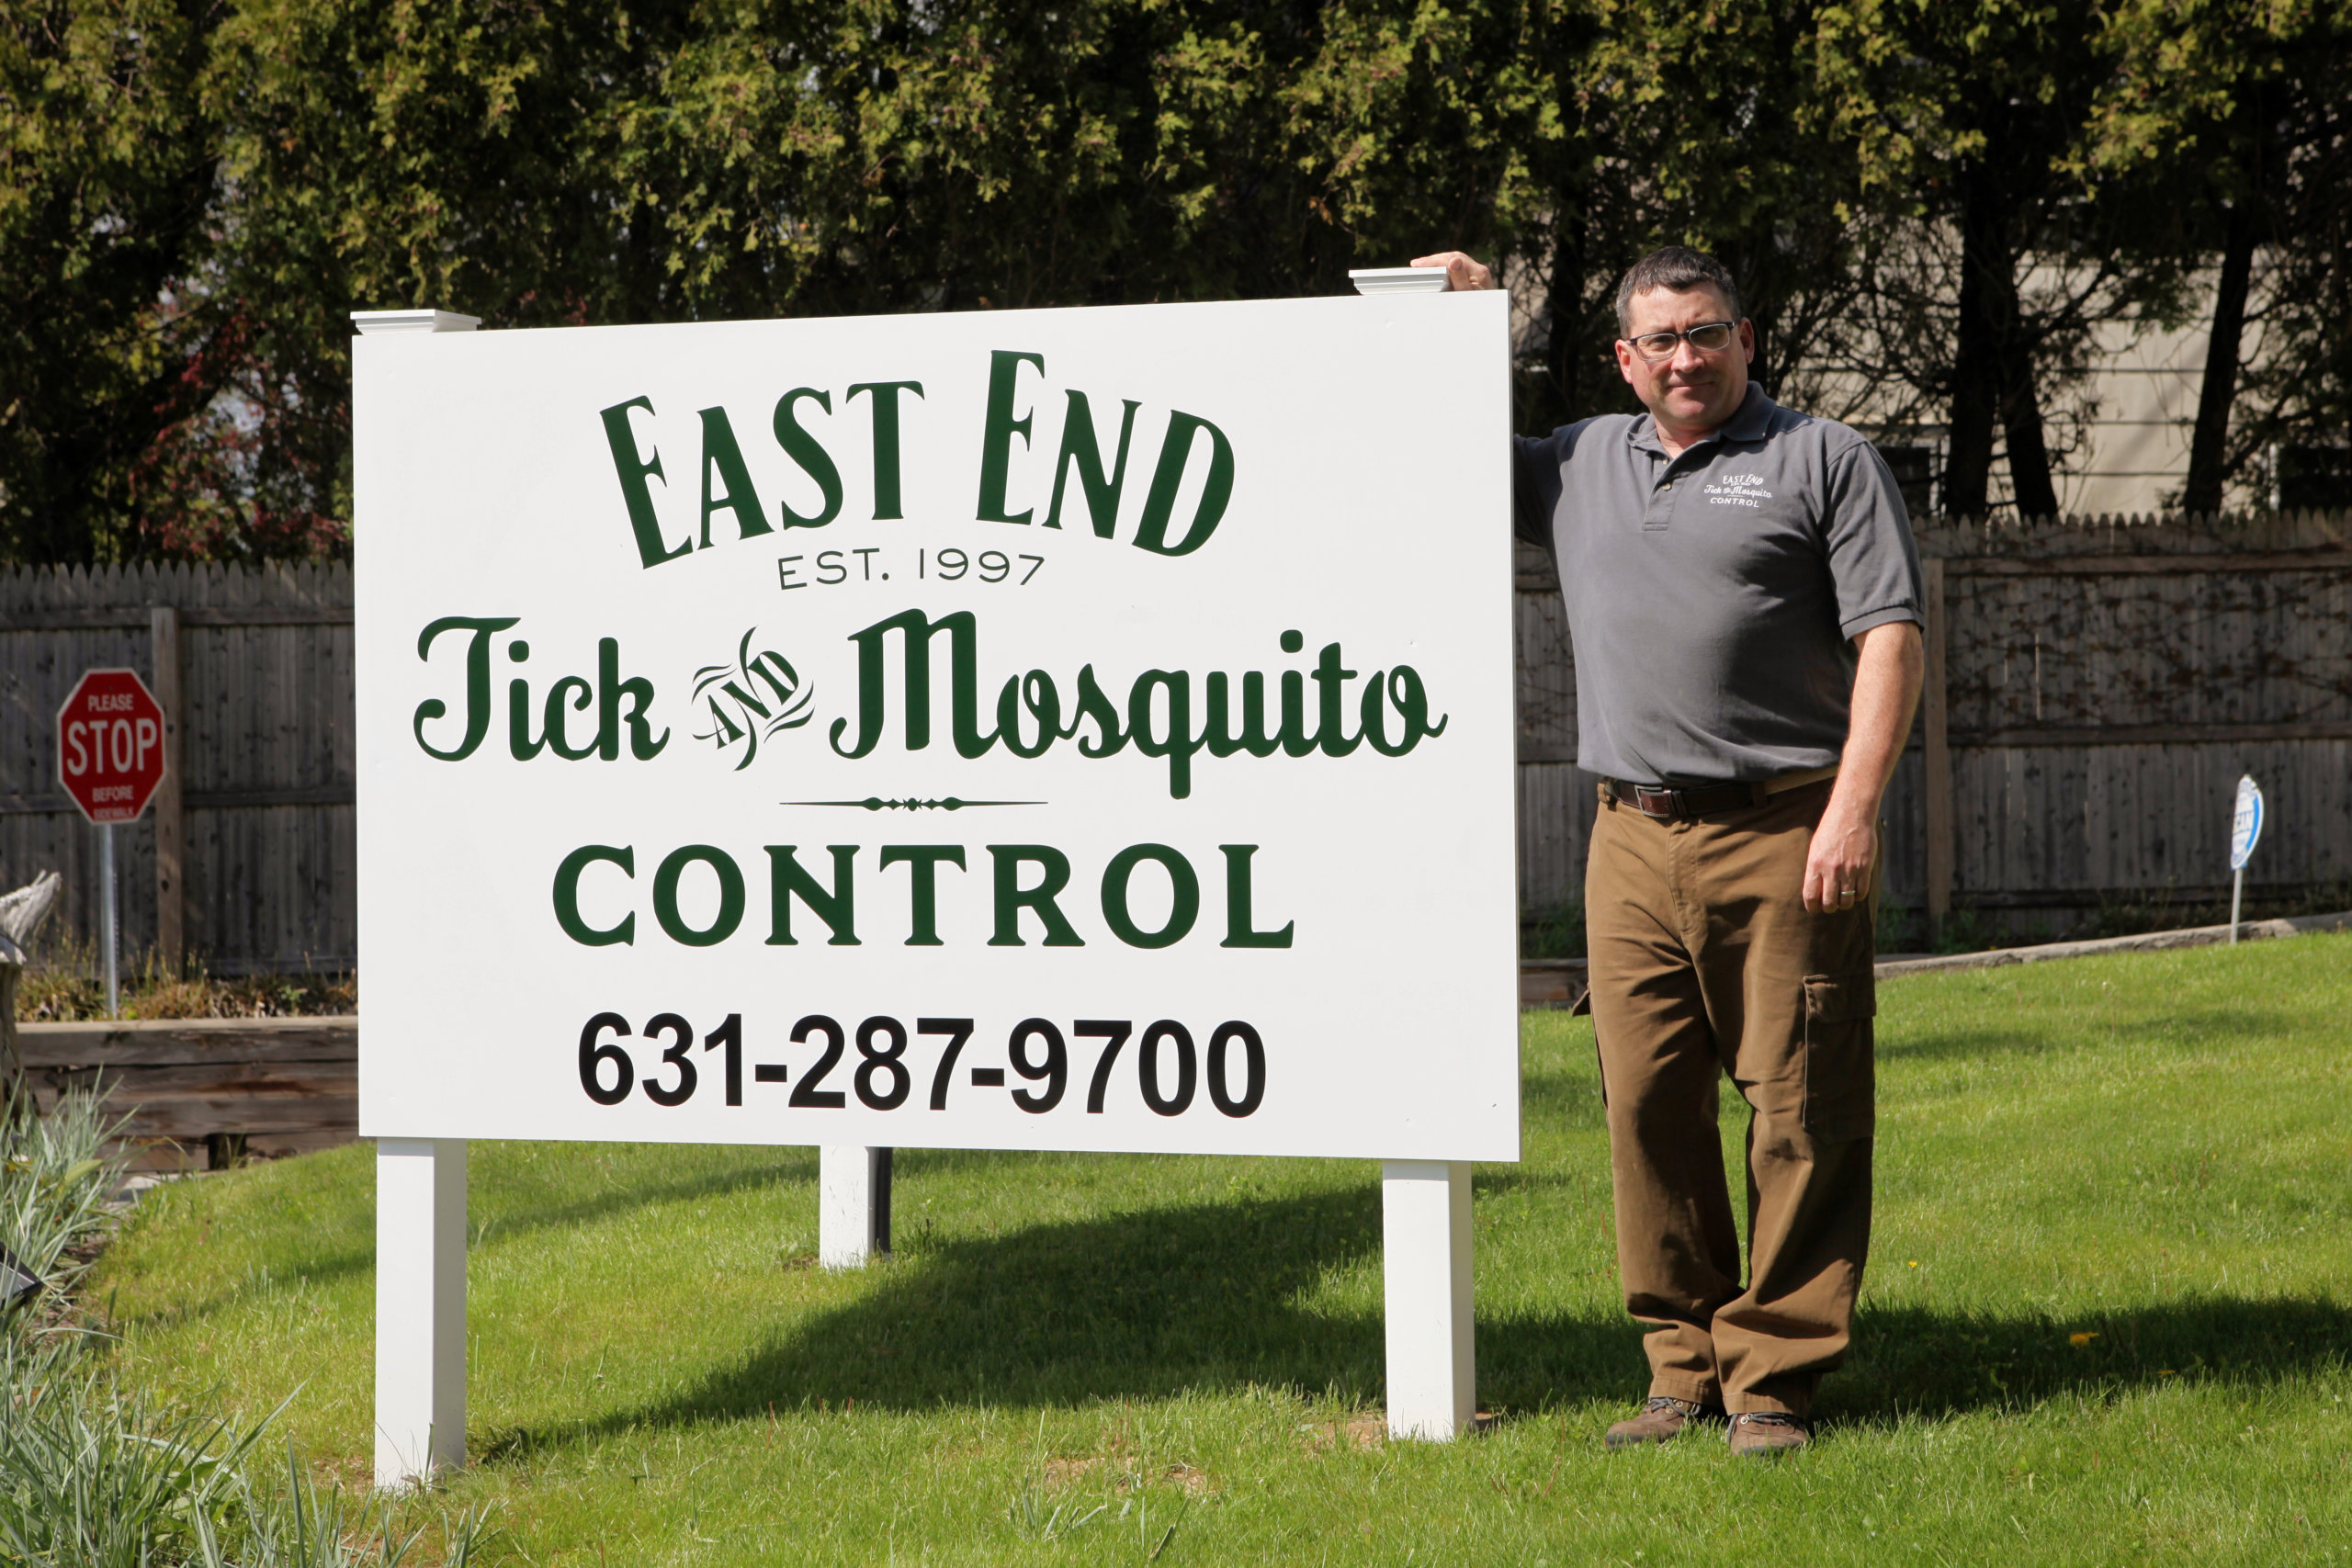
635 493
477 681
1240 930
814 460
886 501
996 435
723 457
567 895
730 896
1217 490
1184 906
837 909
922 862
1012 897
1078 447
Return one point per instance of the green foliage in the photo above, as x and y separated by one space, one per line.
54 1179
194 193
105 173
98 1471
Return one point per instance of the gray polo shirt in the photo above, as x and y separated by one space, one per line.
1712 598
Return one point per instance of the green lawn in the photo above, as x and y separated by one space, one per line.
1074 1353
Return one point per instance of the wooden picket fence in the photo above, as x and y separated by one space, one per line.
247 859
2095 688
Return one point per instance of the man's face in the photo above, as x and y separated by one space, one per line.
1691 390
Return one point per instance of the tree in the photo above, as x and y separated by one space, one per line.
1995 254
537 164
2239 105
2297 388
1930 208
1586 135
106 180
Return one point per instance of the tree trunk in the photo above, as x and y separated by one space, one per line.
1566 351
2030 485
1977 370
2203 491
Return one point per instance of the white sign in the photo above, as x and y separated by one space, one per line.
2245 823
1086 729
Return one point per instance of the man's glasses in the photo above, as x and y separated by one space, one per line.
1708 337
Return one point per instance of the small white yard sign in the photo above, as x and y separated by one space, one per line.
2245 823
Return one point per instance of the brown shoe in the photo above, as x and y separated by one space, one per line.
1765 1434
1662 1420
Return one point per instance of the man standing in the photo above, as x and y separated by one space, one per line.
1742 594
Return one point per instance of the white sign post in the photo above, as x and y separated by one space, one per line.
1068 729
2245 827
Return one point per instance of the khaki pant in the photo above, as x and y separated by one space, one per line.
1705 962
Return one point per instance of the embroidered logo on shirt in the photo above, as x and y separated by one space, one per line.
1738 489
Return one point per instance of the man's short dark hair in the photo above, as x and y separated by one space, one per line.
1677 267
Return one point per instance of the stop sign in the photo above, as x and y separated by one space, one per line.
111 745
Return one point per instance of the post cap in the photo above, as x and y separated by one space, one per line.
379 323
1401 279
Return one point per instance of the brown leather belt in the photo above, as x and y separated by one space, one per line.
1662 803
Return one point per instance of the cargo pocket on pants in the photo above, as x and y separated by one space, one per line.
1840 1073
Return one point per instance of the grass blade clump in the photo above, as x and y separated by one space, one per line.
54 1180
97 1473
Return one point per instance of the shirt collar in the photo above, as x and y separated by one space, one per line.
1749 422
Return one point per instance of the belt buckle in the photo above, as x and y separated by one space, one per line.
1659 804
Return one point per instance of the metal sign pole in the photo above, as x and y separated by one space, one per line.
105 873
2237 893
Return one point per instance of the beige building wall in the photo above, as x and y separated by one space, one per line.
2136 451
2119 441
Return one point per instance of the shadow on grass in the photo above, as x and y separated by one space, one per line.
504 1217
1560 1101
1915 1361
1153 1304
501 1219
1972 1044
2169 1030
1143 1305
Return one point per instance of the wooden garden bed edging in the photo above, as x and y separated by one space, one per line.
284 1085
2147 941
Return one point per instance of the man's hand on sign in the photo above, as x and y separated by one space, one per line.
1465 273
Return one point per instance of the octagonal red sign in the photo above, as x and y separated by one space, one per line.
111 745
